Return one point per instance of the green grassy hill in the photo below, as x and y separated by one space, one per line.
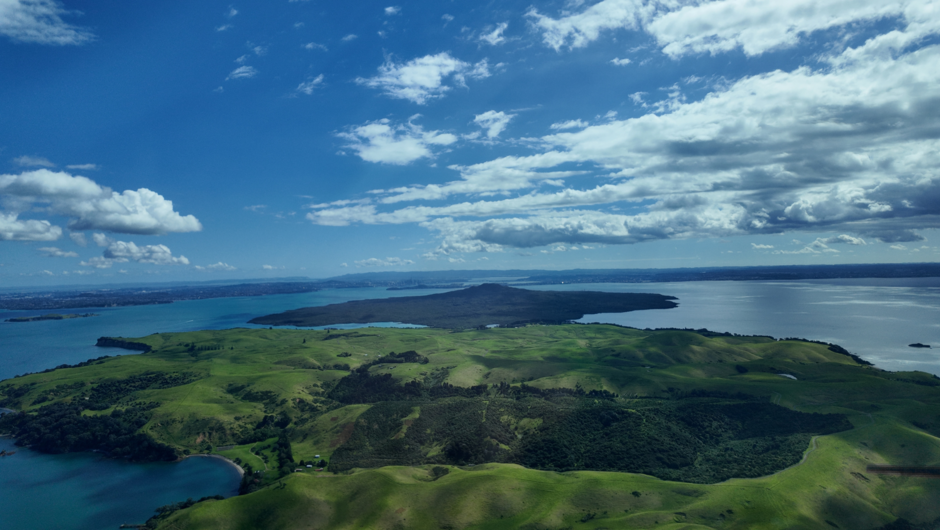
235 392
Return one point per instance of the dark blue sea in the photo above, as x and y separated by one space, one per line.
875 319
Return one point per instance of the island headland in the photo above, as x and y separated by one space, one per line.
51 316
473 307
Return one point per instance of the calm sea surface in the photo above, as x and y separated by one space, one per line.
875 319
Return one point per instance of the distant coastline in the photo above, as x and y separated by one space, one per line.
52 316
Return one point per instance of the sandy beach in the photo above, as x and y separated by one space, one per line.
220 457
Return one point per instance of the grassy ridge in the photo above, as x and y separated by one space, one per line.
235 378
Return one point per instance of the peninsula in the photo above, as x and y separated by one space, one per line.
481 305
533 427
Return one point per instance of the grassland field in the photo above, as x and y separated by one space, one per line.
242 375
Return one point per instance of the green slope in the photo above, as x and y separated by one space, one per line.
234 378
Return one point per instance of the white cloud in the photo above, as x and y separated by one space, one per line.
381 141
757 246
422 79
620 62
495 37
577 30
758 27
387 262
447 18
88 206
101 240
350 37
242 72
343 264
308 86
392 10
220 266
32 161
14 229
224 27
231 12
899 247
718 26
155 254
54 252
268 267
315 46
848 147
98 263
124 251
84 167
846 239
40 22
570 124
494 122
78 238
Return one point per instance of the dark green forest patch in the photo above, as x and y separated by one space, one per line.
691 439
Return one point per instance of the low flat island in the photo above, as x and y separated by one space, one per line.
51 316
481 305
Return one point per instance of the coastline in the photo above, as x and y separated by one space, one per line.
220 457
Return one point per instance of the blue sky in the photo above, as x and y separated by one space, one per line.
213 140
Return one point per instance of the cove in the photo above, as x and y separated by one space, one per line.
85 491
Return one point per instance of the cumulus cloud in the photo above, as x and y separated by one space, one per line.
387 262
40 22
620 62
315 46
242 72
424 78
493 122
847 146
392 10
495 37
78 238
757 246
54 252
83 167
88 206
681 28
14 229
844 239
125 251
384 142
155 254
758 27
307 87
350 37
220 266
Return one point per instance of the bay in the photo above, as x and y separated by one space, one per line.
88 492
875 319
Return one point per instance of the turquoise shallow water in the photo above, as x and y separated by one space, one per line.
876 319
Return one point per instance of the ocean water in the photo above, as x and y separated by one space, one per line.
875 319
88 492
